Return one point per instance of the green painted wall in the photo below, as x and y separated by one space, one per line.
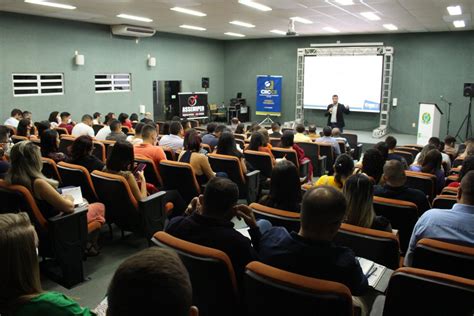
426 65
36 44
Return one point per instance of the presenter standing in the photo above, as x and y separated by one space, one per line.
335 113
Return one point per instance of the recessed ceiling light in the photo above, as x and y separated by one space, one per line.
240 23
51 4
454 10
459 23
133 17
370 16
331 29
390 27
301 20
345 2
255 5
191 27
188 11
234 34
278 32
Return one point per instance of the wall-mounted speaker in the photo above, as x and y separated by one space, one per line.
205 82
469 90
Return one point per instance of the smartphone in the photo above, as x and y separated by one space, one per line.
139 168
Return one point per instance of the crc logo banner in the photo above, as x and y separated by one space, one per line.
193 104
269 95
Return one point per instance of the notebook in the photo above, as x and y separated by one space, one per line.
75 192
375 273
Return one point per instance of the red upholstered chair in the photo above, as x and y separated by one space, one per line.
444 257
211 272
272 291
289 220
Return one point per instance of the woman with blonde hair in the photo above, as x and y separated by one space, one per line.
359 193
21 292
25 170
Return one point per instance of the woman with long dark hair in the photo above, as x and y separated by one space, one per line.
432 164
285 190
54 119
226 145
258 143
81 154
50 146
25 129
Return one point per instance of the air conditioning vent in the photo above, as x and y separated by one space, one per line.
131 30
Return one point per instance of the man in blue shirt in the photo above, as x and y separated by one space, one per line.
311 251
455 225
328 139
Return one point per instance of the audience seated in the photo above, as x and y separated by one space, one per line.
328 139
50 146
469 150
432 164
153 281
394 187
276 130
382 147
41 127
54 119
26 129
121 162
210 138
372 164
359 193
467 165
285 192
191 154
137 138
116 133
287 141
133 118
81 154
25 170
66 121
174 140
336 133
258 143
21 292
299 135
343 168
96 118
14 119
240 129
450 146
123 119
392 144
454 226
438 145
227 146
4 149
312 132
105 131
208 223
84 127
311 251
234 122
27 115
148 148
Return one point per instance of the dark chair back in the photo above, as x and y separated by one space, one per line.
50 170
97 128
289 220
411 150
65 144
435 255
179 176
78 176
275 142
425 182
378 246
328 151
17 139
231 166
99 151
407 155
61 131
272 291
288 153
444 201
260 161
402 215
211 272
151 173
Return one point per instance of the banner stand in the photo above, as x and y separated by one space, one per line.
267 120
268 101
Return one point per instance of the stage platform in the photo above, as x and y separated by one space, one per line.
365 137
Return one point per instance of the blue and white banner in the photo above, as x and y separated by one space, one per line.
269 95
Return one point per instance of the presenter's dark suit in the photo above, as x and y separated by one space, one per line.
341 110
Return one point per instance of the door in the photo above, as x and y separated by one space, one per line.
165 99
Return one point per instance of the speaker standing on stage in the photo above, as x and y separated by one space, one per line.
335 113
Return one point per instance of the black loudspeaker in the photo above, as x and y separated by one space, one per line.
239 95
469 90
205 83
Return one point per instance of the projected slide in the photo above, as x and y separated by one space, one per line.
357 80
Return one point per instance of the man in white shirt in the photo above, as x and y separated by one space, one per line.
173 140
16 116
105 131
84 128
335 113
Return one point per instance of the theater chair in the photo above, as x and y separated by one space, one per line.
97 128
290 154
406 155
411 150
207 147
16 139
241 143
65 144
151 173
450 191
108 144
99 151
170 154
126 130
402 215
50 170
248 183
289 220
457 162
179 176
444 257
311 150
78 176
272 291
414 291
260 161
62 238
61 131
326 150
444 201
342 146
425 182
144 217
353 141
275 142
378 246
211 272
415 146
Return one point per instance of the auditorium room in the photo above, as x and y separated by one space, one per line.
236 157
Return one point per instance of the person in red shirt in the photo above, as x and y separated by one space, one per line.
123 118
66 122
467 165
148 148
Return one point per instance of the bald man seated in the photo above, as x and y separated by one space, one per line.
395 187
311 251
455 225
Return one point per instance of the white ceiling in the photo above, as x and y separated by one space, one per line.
407 15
